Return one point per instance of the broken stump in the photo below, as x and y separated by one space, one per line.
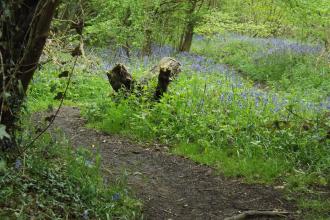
119 77
168 69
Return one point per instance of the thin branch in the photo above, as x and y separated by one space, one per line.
57 111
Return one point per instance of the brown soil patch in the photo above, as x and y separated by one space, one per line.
171 187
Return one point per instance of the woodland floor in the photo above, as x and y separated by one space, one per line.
171 187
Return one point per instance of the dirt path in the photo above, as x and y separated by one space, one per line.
171 187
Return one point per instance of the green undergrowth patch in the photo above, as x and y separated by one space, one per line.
84 87
295 70
220 126
249 168
255 135
214 119
53 181
56 181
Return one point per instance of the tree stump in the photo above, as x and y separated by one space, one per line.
119 78
168 69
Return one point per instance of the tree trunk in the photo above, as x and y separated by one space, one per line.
127 49
24 34
147 46
187 37
127 23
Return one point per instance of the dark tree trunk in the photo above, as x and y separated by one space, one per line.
187 37
127 49
147 50
188 33
127 23
24 33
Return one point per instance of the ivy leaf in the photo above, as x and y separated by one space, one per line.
3 132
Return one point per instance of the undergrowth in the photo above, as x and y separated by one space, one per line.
302 70
53 181
216 118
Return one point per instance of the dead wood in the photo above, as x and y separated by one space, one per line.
119 77
168 69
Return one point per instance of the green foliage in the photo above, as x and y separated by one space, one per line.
131 24
222 22
52 181
301 74
240 130
116 22
3 133
312 19
205 116
304 20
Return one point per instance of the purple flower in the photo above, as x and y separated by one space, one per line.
116 197
222 97
18 164
244 95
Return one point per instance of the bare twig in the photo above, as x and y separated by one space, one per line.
57 111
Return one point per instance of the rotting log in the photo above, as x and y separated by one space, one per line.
120 78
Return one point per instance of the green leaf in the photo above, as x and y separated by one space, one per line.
2 165
3 132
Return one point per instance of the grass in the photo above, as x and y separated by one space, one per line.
299 69
216 117
53 181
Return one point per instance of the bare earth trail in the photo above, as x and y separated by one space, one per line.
171 187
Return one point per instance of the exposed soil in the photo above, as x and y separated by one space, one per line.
171 187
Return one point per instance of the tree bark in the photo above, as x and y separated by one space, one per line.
120 78
24 34
168 69
147 46
187 38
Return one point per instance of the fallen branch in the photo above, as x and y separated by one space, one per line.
253 213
